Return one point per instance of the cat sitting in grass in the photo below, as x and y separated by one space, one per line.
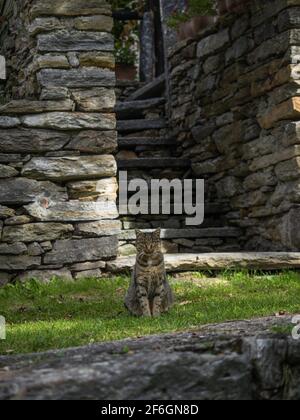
149 294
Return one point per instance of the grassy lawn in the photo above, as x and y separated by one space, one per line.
60 315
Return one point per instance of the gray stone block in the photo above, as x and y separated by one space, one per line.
75 251
70 168
64 41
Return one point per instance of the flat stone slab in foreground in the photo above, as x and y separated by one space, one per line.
218 261
234 361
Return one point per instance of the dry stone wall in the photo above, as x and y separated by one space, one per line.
58 187
235 109
18 47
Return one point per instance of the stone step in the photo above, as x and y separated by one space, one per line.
141 125
129 109
217 261
153 163
144 141
227 232
151 90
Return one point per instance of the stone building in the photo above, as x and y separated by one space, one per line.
225 108
58 135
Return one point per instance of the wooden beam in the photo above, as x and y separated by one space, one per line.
2 68
153 89
147 56
158 38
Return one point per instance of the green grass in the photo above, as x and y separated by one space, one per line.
61 315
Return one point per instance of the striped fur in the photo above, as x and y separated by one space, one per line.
149 294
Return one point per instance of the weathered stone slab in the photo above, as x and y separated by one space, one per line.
57 94
45 276
70 8
71 121
260 179
264 145
17 248
13 158
199 365
104 189
132 109
75 251
289 170
228 187
35 249
94 23
214 166
6 212
23 140
291 134
98 99
9 122
94 142
2 68
271 47
250 200
228 137
70 168
150 90
19 262
73 211
287 110
19 191
44 25
274 158
213 43
86 77
286 192
7 171
64 41
218 261
52 61
36 107
130 142
97 59
18 220
36 232
128 250
101 228
141 125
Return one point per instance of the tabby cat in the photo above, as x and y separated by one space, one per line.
150 293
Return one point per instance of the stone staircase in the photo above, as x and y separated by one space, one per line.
147 151
143 131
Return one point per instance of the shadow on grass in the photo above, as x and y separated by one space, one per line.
61 315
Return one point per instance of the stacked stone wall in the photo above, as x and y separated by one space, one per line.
235 113
58 187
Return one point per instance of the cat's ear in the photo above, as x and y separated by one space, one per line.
157 234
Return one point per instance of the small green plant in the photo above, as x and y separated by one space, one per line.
124 53
126 33
193 8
